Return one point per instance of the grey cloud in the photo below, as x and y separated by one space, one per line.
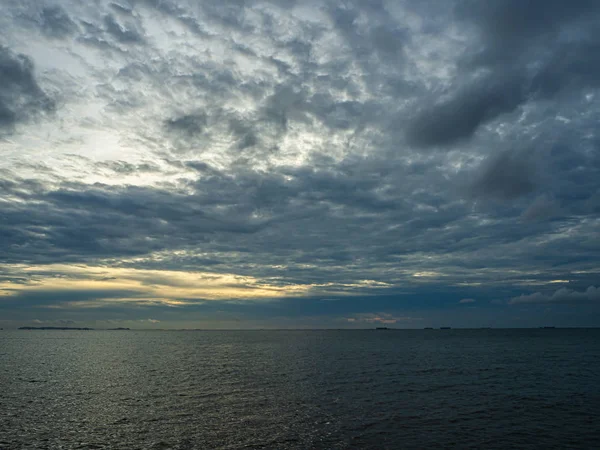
230 15
243 132
292 103
457 118
125 168
107 32
542 208
286 103
124 34
188 124
21 97
101 221
248 140
88 222
572 66
92 35
509 26
385 40
121 9
506 176
177 11
56 23
388 41
563 295
525 40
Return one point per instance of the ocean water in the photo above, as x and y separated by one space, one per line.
330 389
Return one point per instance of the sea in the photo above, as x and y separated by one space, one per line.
303 389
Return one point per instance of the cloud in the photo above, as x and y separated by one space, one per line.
56 23
290 144
504 23
21 98
126 168
124 34
188 125
505 176
452 120
60 322
82 286
244 133
380 318
522 50
563 295
541 208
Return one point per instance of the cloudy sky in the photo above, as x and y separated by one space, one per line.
243 164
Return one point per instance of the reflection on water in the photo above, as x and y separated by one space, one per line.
300 389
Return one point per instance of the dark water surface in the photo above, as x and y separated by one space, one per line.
300 389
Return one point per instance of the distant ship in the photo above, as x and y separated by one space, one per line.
445 328
382 328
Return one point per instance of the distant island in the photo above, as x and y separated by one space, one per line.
118 329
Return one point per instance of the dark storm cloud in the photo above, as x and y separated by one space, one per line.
509 26
531 51
541 208
450 121
21 97
507 176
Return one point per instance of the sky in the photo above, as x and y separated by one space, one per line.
299 164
